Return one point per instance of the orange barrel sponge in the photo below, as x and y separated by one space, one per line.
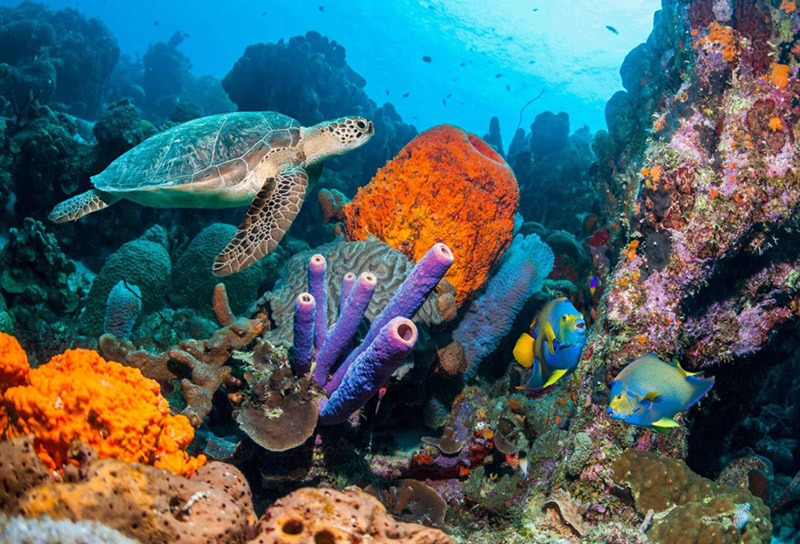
79 395
447 186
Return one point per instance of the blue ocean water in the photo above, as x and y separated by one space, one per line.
561 47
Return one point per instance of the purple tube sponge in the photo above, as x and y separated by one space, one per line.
373 368
317 268
304 315
347 284
409 297
343 331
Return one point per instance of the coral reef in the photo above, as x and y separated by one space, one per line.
705 274
143 262
327 515
203 362
686 506
42 287
77 54
489 318
445 185
390 268
144 503
552 168
127 417
316 84
193 282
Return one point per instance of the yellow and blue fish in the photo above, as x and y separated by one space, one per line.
649 392
553 345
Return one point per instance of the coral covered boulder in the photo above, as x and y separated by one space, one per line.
80 396
690 508
193 282
144 503
446 186
143 262
326 515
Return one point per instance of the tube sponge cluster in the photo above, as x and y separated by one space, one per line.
489 318
390 338
80 396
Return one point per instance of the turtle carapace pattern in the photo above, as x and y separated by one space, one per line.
224 161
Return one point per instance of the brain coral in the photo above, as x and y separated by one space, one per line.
113 408
143 262
389 266
447 186
192 280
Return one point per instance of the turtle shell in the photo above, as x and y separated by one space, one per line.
220 147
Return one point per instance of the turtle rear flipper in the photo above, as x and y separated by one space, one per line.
267 220
85 203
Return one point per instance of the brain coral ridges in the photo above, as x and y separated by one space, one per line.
446 186
80 396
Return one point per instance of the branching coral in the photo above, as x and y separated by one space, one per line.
204 361
80 396
445 186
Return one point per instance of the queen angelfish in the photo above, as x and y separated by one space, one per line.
554 344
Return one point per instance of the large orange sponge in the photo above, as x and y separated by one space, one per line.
447 186
14 369
80 396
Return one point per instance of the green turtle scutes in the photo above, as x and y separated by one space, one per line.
223 161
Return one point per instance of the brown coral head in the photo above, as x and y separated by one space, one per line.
281 423
451 360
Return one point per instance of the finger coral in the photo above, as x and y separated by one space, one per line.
80 396
446 186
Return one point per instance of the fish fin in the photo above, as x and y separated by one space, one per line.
554 377
686 374
651 396
534 383
534 328
701 387
523 350
550 338
665 423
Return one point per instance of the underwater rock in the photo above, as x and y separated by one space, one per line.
166 72
316 84
688 506
83 52
552 169
193 282
389 266
47 531
446 185
320 515
48 160
119 129
141 262
35 80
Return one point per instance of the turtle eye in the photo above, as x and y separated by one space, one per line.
361 125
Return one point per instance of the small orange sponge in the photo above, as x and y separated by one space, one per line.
80 396
447 186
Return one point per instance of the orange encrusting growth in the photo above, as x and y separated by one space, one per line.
113 408
447 186
723 37
14 370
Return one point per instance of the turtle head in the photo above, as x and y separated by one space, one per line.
333 138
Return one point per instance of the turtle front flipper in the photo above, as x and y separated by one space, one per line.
269 217
85 203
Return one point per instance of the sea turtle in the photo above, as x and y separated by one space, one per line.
223 161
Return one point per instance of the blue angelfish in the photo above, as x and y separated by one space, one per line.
553 345
649 392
